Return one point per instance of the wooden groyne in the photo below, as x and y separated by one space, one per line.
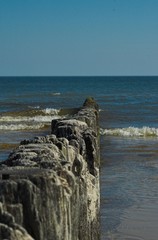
49 187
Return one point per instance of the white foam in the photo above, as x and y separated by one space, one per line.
24 126
38 118
43 118
131 132
51 111
56 93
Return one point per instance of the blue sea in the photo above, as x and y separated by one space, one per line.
129 140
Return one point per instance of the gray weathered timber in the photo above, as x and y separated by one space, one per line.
49 187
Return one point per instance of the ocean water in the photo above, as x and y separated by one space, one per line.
129 140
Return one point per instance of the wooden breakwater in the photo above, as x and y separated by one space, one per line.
49 187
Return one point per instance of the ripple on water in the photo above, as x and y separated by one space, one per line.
129 189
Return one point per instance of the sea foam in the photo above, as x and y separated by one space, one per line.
51 111
131 132
21 126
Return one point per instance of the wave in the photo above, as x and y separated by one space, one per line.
56 93
34 107
28 120
131 132
21 126
51 111
44 115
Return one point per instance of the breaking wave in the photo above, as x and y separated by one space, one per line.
28 120
22 126
131 132
51 111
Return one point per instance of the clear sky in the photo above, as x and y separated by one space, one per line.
78 37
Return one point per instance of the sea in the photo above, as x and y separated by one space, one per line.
128 139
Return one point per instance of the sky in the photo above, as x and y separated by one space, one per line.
78 37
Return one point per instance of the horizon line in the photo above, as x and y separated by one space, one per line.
79 76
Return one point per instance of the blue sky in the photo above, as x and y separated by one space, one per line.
78 37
